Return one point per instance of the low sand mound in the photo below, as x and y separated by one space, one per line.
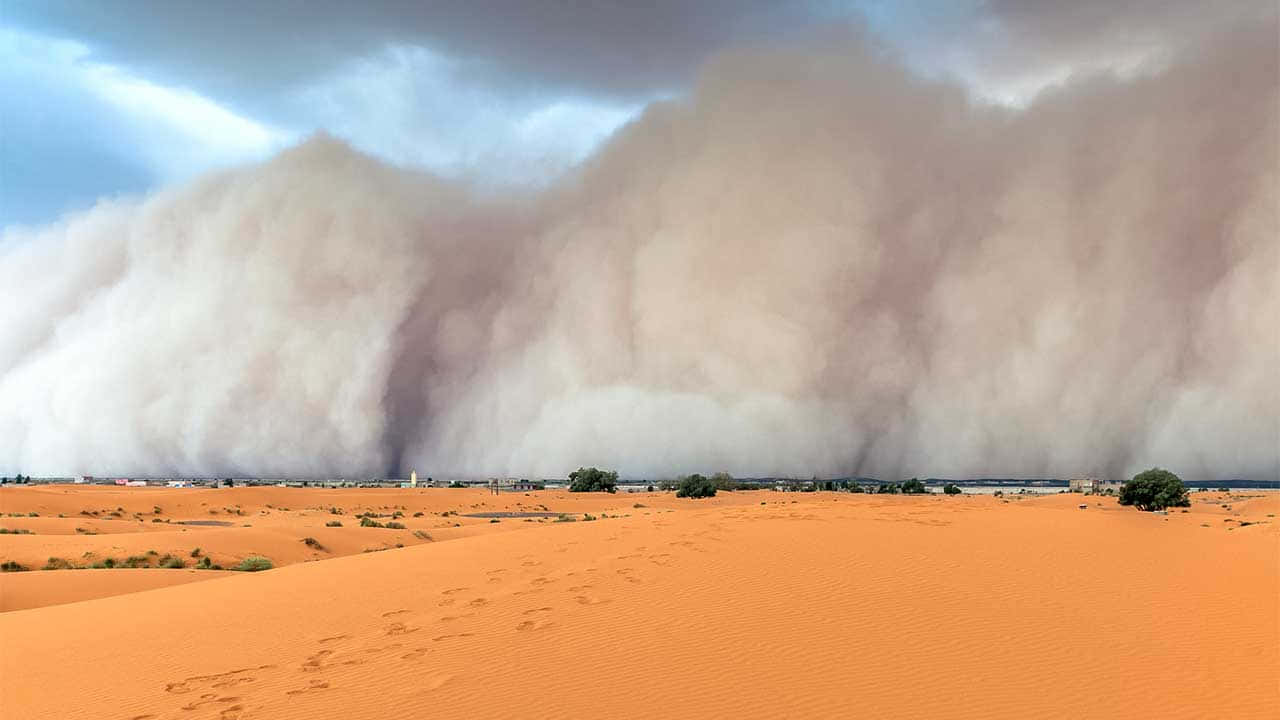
822 606
22 591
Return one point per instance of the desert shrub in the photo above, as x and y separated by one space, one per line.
914 487
421 535
695 486
136 561
565 518
253 563
172 562
57 563
639 505
369 522
394 526
195 552
333 523
312 543
107 563
951 489
12 566
593 480
856 488
1154 489
15 531
887 489
419 514
494 520
335 511
667 485
588 517
205 563
397 515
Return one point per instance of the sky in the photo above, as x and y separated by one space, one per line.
102 100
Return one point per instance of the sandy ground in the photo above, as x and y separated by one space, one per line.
808 605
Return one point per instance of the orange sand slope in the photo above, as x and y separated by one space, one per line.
807 606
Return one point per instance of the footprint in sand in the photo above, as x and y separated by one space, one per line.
446 602
451 618
231 713
414 654
393 613
209 698
530 625
536 610
478 602
313 686
313 663
584 600
335 638
438 638
580 588
454 591
399 628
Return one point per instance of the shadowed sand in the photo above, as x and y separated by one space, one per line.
817 605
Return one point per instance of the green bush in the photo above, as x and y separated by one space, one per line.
12 566
695 486
253 563
57 563
456 484
16 531
195 552
593 480
394 526
172 562
951 489
889 489
1154 489
369 522
312 543
205 563
333 523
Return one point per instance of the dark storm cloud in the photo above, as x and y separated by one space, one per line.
240 49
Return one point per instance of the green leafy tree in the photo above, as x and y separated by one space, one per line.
951 489
1154 489
914 487
593 480
696 486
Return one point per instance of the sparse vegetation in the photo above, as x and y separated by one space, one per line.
172 562
312 543
57 563
12 566
253 563
195 553
593 480
422 535
393 526
15 531
951 489
456 484
333 523
1154 489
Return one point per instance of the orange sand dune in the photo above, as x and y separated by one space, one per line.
808 606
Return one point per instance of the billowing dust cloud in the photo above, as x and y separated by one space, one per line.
814 263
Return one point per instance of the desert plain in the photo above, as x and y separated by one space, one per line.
748 605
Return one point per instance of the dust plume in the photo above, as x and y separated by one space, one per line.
815 262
